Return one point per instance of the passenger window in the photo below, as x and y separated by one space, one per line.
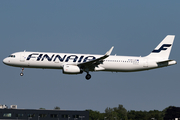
42 115
31 115
54 115
65 116
19 115
7 115
75 116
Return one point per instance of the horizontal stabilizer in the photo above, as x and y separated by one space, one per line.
166 63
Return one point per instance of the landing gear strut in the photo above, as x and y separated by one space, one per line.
88 76
21 74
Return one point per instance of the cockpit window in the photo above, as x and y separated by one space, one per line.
12 56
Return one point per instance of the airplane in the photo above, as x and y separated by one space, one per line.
78 63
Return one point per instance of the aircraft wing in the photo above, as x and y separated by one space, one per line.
92 63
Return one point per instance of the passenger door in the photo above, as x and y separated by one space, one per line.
22 57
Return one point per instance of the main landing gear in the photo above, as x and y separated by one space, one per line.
88 76
21 74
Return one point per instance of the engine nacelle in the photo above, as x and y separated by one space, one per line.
71 69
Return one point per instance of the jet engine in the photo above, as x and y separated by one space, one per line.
71 69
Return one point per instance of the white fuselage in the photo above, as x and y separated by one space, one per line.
79 63
57 60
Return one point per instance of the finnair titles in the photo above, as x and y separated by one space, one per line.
79 63
60 58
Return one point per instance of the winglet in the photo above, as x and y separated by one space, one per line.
109 52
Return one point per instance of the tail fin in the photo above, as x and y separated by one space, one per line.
163 49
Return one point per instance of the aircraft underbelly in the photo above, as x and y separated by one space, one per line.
40 64
122 67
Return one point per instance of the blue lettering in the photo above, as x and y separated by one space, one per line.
47 57
74 59
31 56
59 57
39 57
86 59
80 59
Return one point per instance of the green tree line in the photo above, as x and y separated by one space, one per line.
120 113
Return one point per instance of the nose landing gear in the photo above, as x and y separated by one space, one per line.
21 74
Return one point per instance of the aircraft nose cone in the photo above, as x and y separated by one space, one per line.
5 61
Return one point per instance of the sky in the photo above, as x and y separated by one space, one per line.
134 28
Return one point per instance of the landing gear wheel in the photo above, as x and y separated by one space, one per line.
88 76
21 74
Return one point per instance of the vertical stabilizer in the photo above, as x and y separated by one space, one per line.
163 49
